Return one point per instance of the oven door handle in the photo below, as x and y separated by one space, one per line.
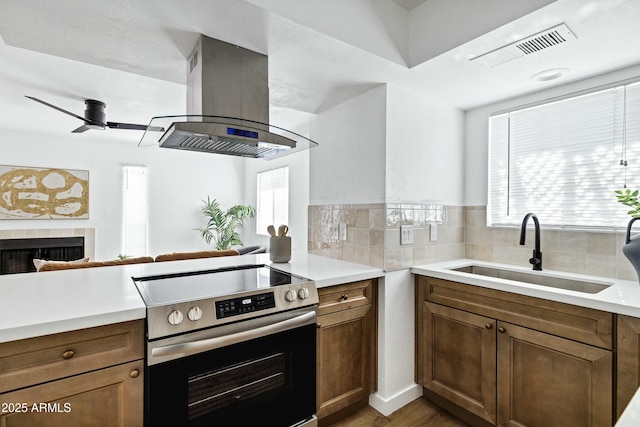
223 341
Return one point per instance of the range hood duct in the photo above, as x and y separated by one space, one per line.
227 107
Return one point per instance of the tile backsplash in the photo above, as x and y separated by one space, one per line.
373 233
373 238
595 253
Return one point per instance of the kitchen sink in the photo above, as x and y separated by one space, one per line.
535 278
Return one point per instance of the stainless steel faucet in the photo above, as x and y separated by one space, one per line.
536 260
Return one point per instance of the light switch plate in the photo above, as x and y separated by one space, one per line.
433 232
342 231
406 234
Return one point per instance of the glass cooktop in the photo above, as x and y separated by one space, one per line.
167 289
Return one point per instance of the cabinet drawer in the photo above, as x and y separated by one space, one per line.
581 324
106 397
344 297
37 360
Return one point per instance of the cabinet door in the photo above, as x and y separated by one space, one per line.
344 360
628 361
459 362
107 397
544 380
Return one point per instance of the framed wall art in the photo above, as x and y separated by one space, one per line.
43 193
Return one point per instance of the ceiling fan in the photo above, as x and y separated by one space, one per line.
94 117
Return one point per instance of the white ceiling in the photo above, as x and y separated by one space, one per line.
131 54
409 4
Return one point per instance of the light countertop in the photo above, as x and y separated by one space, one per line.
35 304
620 296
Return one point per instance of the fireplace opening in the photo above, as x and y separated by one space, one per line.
17 255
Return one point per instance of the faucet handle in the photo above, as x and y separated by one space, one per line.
536 260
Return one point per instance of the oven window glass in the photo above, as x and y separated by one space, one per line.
266 381
227 385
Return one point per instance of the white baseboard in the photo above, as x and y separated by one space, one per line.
388 405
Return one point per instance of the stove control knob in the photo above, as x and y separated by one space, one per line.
291 295
175 317
194 313
303 293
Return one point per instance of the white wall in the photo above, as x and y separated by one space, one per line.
178 181
388 145
424 149
349 164
477 128
396 343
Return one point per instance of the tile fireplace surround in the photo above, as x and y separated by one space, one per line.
89 235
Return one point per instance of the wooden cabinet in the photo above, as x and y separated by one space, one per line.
628 361
345 346
459 352
496 358
108 397
544 380
87 377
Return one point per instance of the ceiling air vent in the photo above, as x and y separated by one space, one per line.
560 34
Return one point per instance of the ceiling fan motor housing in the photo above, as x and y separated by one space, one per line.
94 113
94 117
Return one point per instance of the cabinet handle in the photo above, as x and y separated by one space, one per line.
488 326
67 354
501 330
319 325
134 373
344 297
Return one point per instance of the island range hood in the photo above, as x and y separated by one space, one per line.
227 107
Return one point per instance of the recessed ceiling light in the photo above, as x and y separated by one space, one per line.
551 74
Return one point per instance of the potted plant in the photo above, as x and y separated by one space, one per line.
221 229
631 248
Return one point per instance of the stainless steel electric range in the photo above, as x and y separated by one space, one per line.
230 345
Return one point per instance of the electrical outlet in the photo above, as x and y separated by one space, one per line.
406 234
342 231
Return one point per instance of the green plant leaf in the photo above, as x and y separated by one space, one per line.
222 225
629 198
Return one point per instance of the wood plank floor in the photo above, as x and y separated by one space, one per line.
419 413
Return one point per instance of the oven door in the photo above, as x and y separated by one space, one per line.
264 376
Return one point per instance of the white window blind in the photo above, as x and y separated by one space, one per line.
273 199
561 160
134 211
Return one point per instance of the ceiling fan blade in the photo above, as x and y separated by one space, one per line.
58 108
132 126
81 129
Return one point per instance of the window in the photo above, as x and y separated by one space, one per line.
134 211
273 199
563 160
